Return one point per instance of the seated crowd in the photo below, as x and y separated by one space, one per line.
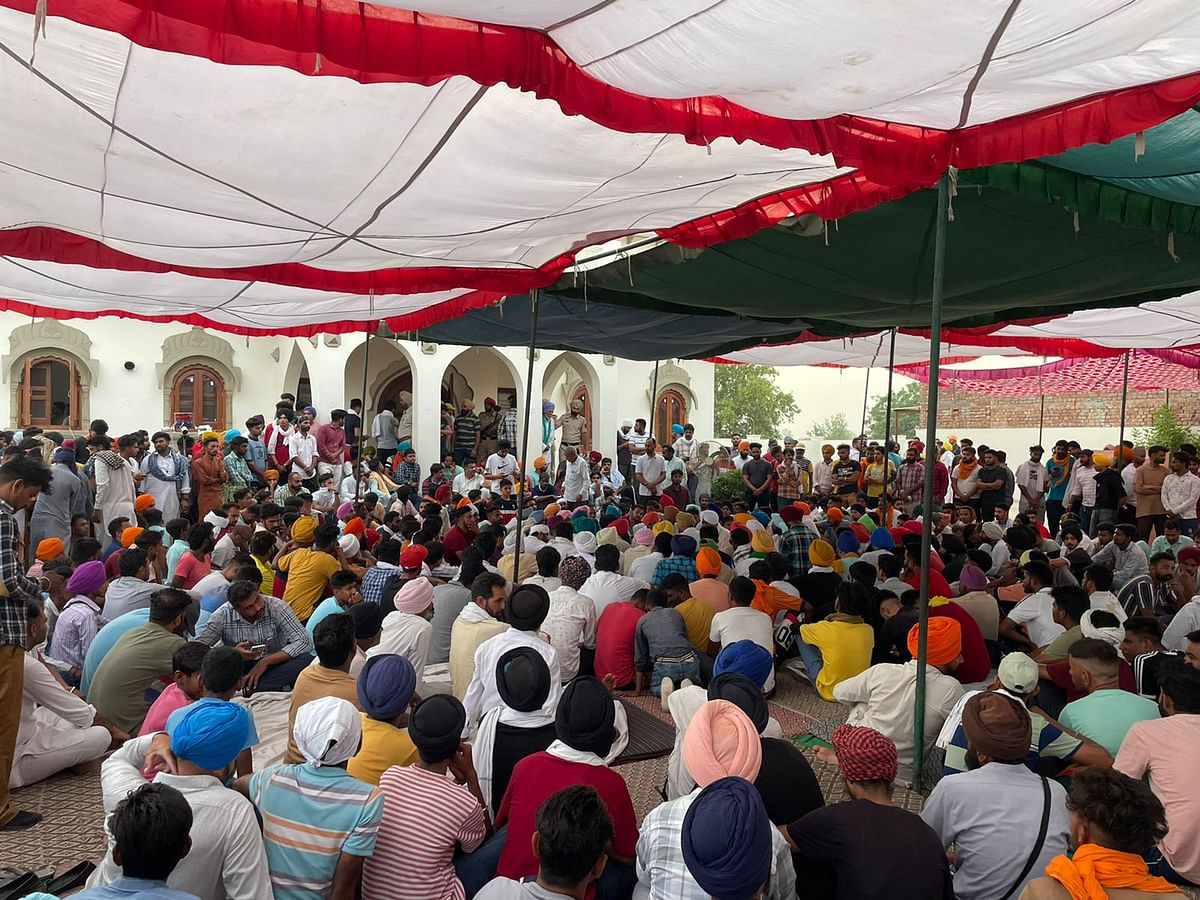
455 666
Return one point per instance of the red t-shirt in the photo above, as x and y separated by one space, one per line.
454 543
976 663
938 586
534 779
614 641
191 570
112 565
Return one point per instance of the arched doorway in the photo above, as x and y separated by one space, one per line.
671 409
49 393
198 398
400 382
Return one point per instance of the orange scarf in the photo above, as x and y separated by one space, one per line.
1093 868
965 468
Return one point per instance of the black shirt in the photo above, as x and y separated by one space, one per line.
818 588
859 849
758 471
786 782
512 745
990 499
845 470
893 635
1110 488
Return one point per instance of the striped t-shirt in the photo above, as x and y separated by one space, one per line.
310 817
425 816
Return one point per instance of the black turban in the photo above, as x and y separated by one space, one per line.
585 716
727 839
1021 538
527 607
523 679
368 619
436 726
742 693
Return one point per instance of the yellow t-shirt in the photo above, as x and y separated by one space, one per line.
383 746
268 576
697 621
308 573
845 644
313 683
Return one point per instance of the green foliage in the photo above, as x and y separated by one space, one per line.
909 395
749 402
728 486
833 428
1165 431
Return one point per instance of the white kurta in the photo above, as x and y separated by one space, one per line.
166 497
115 492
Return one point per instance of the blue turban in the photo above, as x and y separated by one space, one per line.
847 542
747 658
762 517
211 735
727 840
881 539
385 686
537 516
404 445
676 428
683 545
611 510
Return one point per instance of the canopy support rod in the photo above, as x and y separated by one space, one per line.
866 395
357 462
1124 401
535 297
927 498
653 407
887 438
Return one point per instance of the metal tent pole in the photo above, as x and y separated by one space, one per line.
887 438
362 425
927 504
1042 405
653 402
535 297
1124 401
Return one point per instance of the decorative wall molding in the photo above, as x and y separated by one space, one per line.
49 336
202 347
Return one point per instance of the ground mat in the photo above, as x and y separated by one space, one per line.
649 736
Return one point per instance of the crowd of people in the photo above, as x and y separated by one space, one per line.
450 642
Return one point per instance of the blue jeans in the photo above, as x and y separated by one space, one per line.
477 868
1085 520
1187 527
813 661
1101 516
676 671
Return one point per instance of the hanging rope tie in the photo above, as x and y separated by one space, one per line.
39 27
953 193
1075 222
1139 145
317 64
1171 246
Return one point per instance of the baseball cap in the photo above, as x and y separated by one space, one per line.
1018 673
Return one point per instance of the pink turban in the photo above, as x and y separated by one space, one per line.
644 538
721 741
415 597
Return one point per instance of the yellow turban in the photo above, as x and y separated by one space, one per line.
762 542
528 565
664 526
684 521
821 553
741 518
304 530
1101 460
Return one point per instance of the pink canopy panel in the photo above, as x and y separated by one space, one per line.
1147 371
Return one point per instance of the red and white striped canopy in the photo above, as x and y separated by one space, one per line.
290 166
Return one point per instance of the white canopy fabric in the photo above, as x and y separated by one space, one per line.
290 166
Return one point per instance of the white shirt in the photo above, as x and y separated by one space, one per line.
651 468
1180 494
227 858
303 450
614 479
1127 476
464 485
884 698
1107 601
481 692
1034 612
503 466
822 476
570 624
405 635
577 481
210 583
637 440
1184 623
40 688
1083 485
383 430
1033 477
966 486
744 623
643 568
603 588
126 594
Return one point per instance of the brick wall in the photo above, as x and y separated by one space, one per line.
961 410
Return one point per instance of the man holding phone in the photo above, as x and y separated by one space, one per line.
266 633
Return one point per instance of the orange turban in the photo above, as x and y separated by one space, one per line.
744 445
803 507
129 535
651 519
741 518
835 514
553 510
708 562
355 526
143 502
52 548
272 473
945 640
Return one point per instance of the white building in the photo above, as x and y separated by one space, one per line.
132 374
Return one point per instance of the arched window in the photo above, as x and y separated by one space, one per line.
671 409
198 398
49 393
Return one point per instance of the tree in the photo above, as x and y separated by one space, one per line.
1165 431
834 428
749 402
909 395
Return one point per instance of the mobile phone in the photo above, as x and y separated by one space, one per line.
260 649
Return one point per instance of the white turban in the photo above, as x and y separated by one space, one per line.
349 544
404 397
585 542
327 731
216 520
1113 635
627 423
710 517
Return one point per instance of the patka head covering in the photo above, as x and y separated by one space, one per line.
585 716
385 685
944 644
415 596
742 693
720 741
864 754
526 607
304 530
50 548
746 657
211 735
708 562
436 726
87 579
682 545
726 840
574 571
413 556
997 726
143 502
821 553
523 679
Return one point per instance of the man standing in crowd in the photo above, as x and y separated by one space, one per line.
1147 488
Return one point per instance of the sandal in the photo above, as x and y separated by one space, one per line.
72 878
